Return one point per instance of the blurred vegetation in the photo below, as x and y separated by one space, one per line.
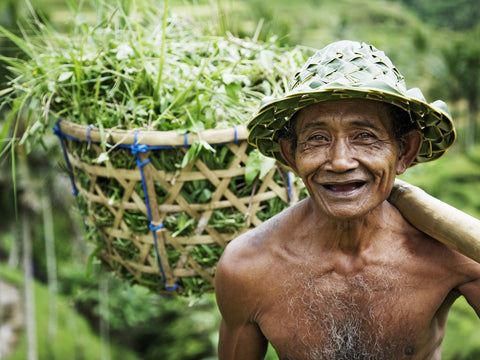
457 15
72 339
462 341
434 43
129 313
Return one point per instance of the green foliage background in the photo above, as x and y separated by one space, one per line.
434 43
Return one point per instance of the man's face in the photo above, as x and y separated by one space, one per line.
347 156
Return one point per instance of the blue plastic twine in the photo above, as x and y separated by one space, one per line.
137 149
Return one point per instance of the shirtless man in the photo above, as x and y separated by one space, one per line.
341 274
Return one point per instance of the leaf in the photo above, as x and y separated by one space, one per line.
233 90
257 165
195 151
266 58
21 43
6 91
65 76
102 158
267 164
183 223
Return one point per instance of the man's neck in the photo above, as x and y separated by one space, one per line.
352 236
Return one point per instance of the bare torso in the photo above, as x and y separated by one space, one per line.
387 301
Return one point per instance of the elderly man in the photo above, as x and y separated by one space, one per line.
341 274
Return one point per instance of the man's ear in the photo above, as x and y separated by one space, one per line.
413 143
287 152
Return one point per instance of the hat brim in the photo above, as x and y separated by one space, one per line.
433 120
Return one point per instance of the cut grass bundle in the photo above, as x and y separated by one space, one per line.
130 71
153 134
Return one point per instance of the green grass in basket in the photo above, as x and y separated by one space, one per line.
129 69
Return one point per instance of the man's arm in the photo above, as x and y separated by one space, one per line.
471 291
241 342
240 338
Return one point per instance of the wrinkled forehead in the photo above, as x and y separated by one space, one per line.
377 113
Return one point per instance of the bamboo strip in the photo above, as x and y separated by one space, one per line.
191 272
140 268
184 240
222 204
154 138
128 187
101 170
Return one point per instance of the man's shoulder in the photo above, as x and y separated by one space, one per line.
252 245
238 276
251 252
265 235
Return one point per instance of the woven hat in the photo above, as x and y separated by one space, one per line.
352 70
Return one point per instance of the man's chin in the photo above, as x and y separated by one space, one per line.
347 210
346 216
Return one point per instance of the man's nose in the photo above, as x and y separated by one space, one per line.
341 157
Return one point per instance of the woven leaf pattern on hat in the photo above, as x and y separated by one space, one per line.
351 67
352 70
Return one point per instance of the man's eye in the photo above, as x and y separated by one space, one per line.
318 137
365 135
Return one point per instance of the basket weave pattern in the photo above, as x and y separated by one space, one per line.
145 250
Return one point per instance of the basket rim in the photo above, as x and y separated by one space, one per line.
173 138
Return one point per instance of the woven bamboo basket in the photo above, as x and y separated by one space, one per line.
128 207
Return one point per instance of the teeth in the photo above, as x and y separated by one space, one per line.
344 187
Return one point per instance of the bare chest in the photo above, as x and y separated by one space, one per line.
370 315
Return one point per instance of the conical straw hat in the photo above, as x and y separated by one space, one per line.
352 70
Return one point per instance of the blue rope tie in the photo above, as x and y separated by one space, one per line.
154 229
57 131
89 139
235 140
140 163
289 186
136 150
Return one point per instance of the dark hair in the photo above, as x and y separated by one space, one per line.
402 125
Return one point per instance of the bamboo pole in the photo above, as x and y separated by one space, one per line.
437 219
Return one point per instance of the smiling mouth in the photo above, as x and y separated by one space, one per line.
344 188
